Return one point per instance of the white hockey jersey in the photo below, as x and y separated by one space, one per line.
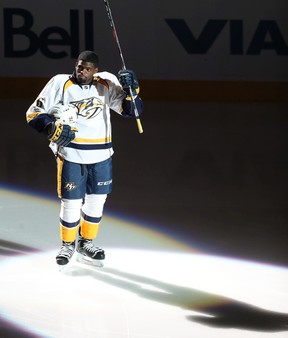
93 142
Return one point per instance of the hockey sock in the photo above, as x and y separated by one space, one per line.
89 226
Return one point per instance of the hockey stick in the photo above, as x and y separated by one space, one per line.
115 35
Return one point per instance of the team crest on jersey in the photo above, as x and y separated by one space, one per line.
89 108
69 186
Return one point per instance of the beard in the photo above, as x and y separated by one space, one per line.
82 79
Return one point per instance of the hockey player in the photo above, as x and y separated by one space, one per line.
73 111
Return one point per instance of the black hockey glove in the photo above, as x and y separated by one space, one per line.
127 78
62 134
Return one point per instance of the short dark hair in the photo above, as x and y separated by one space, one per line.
89 56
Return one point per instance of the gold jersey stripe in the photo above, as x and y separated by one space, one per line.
32 116
89 141
102 81
67 85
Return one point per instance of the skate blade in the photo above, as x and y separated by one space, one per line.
99 263
62 268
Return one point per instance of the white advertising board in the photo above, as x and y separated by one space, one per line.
160 39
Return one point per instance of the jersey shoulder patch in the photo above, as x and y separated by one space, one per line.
108 77
103 82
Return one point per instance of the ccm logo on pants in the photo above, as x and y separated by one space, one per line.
104 183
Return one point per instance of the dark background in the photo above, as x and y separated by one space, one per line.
213 175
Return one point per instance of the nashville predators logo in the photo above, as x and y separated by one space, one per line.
89 108
69 186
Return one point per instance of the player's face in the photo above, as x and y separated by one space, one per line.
85 71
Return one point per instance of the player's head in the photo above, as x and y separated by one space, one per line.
89 56
86 66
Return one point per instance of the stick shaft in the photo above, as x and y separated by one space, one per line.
116 39
114 32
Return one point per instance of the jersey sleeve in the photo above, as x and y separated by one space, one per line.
36 115
118 99
116 94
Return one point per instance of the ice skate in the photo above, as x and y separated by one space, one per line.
89 254
65 254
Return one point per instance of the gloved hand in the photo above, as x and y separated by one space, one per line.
127 78
65 114
62 134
